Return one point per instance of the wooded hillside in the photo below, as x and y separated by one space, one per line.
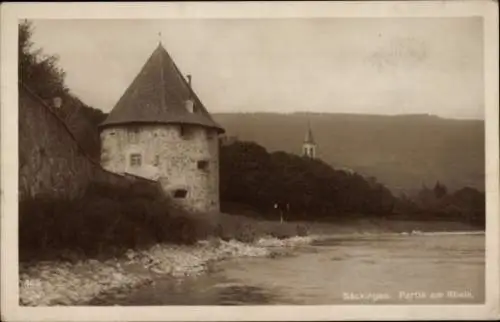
403 152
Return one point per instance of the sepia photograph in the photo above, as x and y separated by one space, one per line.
249 160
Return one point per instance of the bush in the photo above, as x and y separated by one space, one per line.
106 220
233 227
283 231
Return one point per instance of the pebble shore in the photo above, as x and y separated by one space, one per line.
65 283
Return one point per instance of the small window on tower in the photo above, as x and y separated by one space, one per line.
203 165
180 193
157 160
134 135
190 105
184 131
135 160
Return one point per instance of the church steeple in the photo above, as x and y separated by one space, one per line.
309 145
309 136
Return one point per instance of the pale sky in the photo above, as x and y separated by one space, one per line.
336 65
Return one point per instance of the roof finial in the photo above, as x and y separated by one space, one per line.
159 38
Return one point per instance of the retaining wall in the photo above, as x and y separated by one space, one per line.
51 162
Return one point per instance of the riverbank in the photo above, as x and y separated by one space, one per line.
360 269
77 283
381 225
80 281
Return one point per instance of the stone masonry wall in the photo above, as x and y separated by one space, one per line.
51 162
170 158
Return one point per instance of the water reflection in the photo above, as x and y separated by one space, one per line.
202 290
243 294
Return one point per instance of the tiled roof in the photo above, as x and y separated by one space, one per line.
158 94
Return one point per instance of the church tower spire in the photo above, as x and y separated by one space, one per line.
309 145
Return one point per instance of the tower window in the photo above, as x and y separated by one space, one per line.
180 193
185 132
157 160
210 135
134 135
190 105
135 160
203 165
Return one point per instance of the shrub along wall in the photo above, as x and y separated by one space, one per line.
105 221
108 219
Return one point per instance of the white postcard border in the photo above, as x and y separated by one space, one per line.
12 12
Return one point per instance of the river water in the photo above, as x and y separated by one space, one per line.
430 268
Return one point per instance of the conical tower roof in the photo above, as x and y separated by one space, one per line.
158 94
309 136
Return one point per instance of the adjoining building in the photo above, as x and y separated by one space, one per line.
160 130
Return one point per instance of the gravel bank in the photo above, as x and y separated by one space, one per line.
65 283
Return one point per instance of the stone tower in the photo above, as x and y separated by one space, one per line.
309 146
160 130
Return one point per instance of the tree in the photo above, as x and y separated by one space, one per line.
473 204
252 176
37 70
440 190
42 75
